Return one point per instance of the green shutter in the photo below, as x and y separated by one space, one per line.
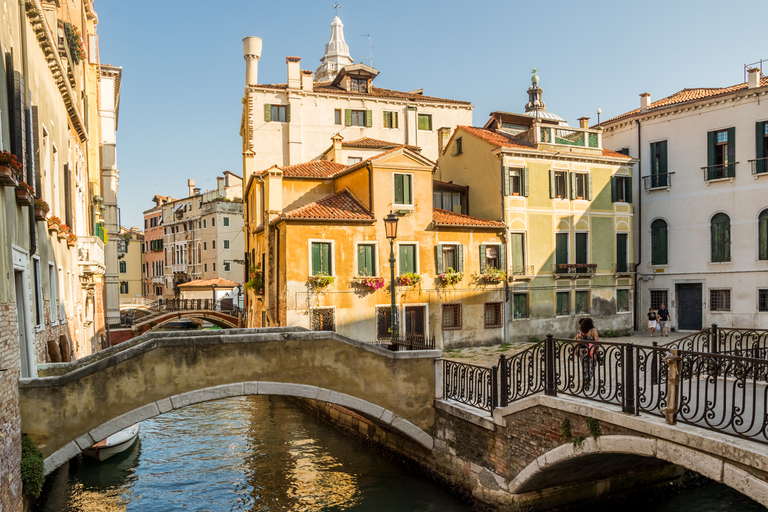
731 170
518 254
613 188
502 257
439 259
573 185
760 141
663 159
287 113
399 189
520 305
361 269
482 258
267 112
561 248
507 181
628 184
581 248
368 118
621 251
525 183
316 266
551 184
565 178
407 189
589 186
721 238
347 117
460 258
407 259
394 119
711 142
325 258
763 235
658 242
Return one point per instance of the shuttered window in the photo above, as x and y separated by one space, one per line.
561 248
365 260
621 189
358 117
761 147
403 189
563 306
762 236
279 113
659 164
659 241
493 256
622 301
390 119
520 305
582 247
622 265
407 259
582 302
449 256
321 258
721 238
721 154
518 253
425 122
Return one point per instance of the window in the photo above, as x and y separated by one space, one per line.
38 292
227 266
515 182
358 117
145 224
561 251
622 301
719 300
407 259
54 298
493 316
123 286
762 235
621 189
449 256
226 244
214 266
321 258
279 113
213 244
721 154
200 224
337 116
762 300
352 160
403 189
205 267
659 176
451 317
493 256
366 263
383 322
225 220
582 302
721 238
213 221
563 303
658 297
580 185
450 201
622 249
761 148
520 304
323 319
458 146
358 84
390 119
123 267
204 222
425 122
205 246
582 250
557 184
659 242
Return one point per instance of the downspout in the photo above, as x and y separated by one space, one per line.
277 275
370 188
504 240
639 223
30 168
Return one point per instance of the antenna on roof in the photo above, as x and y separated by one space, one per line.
370 48
336 7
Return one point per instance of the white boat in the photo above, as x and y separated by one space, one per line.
114 444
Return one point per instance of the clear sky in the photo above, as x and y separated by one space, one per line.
184 73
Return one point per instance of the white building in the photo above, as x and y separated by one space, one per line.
291 123
702 203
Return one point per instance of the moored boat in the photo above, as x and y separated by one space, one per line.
114 444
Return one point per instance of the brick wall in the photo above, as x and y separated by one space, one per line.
10 422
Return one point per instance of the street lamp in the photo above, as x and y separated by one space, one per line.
390 227
599 111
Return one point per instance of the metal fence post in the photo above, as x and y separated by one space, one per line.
504 395
714 340
550 387
494 387
654 364
629 378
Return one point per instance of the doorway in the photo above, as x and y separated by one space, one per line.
689 307
21 322
415 320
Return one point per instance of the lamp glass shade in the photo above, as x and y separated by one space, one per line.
390 225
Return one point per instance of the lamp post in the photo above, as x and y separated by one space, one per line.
599 111
390 226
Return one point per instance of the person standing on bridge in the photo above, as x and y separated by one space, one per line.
652 321
663 320
587 333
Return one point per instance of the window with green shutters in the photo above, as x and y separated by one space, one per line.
622 263
581 186
558 184
561 251
520 305
407 259
762 236
279 113
582 302
517 241
659 173
516 181
403 189
563 306
622 301
721 238
659 242
390 119
582 248
721 154
366 264
449 256
355 117
493 256
761 148
621 189
321 258
425 122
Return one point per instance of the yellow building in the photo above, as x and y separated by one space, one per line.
129 263
567 206
317 231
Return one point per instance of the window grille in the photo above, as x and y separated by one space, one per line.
493 316
762 300
323 319
658 297
451 316
383 322
719 300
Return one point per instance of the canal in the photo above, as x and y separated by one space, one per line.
265 453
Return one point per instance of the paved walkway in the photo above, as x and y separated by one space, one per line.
489 355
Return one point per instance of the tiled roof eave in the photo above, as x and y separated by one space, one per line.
557 155
325 219
497 227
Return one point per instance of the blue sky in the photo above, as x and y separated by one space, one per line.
183 68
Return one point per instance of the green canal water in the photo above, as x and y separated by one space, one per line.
264 453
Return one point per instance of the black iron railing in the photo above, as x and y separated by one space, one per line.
575 268
759 165
663 180
522 270
726 341
719 172
623 268
162 306
469 384
412 342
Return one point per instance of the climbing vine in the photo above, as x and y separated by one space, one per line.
593 426
32 472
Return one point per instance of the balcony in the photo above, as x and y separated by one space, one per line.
759 166
658 181
181 267
623 269
158 280
521 273
574 270
90 255
575 137
719 172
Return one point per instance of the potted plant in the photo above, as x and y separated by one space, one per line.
41 209
9 168
374 283
75 43
63 231
54 224
25 194
71 239
256 281
408 279
320 280
493 275
451 276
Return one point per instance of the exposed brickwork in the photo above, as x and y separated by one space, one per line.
10 431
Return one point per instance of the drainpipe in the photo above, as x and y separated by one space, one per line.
639 223
30 169
504 240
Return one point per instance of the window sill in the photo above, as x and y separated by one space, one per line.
451 328
493 326
39 328
719 179
408 207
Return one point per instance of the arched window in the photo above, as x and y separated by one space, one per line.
659 242
721 238
762 235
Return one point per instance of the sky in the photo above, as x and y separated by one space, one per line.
184 73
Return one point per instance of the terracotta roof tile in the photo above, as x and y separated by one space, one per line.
339 206
312 169
446 218
689 95
500 139
218 282
327 88
367 142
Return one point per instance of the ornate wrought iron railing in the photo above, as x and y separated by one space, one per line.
725 340
162 306
522 374
470 384
412 342
656 181
719 172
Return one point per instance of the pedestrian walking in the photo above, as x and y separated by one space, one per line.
652 321
587 335
662 318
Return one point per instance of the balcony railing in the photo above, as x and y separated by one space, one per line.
759 166
623 268
657 181
90 251
719 172
158 280
580 137
522 272
182 267
575 269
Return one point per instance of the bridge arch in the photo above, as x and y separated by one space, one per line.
219 319
551 466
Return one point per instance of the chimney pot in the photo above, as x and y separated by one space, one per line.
583 122
294 72
252 55
306 80
191 187
753 79
645 101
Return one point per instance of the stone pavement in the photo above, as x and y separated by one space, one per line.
489 355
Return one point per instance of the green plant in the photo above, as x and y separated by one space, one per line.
534 339
451 276
565 429
594 428
321 280
493 275
408 279
9 159
256 281
626 332
32 470
75 42
27 186
608 333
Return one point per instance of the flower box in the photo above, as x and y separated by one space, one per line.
321 280
408 279
494 275
70 242
451 277
7 176
23 195
41 209
374 283
62 235
39 214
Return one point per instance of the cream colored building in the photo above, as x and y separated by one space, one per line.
129 264
292 122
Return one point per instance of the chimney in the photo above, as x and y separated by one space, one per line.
252 55
336 151
443 136
294 72
754 78
583 122
306 80
220 184
273 190
197 191
191 187
645 101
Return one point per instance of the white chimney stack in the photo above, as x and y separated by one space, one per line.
294 72
306 80
753 79
252 55
645 101
191 186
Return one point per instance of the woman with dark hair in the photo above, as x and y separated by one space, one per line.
588 334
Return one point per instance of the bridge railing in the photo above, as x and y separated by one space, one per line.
725 340
412 342
162 306
470 384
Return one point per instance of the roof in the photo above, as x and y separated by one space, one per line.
367 142
446 218
217 283
312 169
687 95
450 186
339 206
378 92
